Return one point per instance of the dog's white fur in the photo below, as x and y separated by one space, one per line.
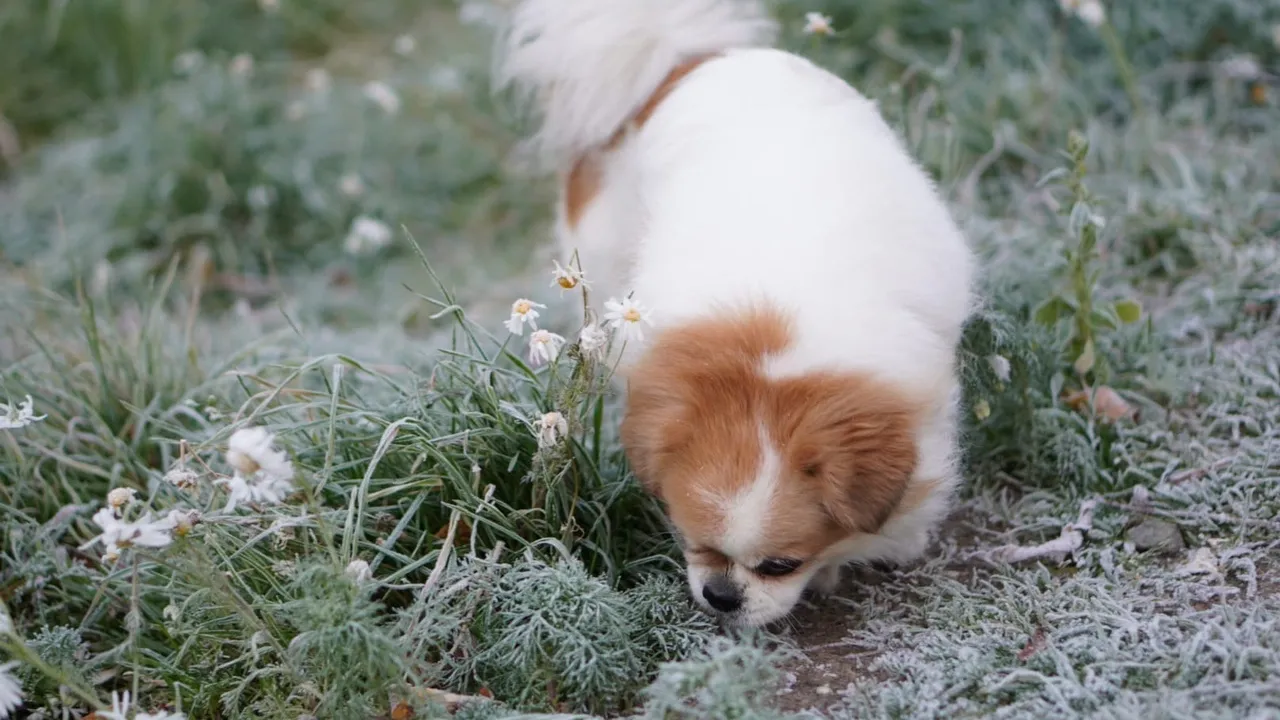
759 177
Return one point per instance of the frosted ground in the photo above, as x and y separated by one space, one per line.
310 219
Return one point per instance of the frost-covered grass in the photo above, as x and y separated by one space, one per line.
219 246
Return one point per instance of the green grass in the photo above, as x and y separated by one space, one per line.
153 303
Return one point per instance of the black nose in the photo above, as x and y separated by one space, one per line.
721 594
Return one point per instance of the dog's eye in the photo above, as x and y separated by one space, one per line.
777 567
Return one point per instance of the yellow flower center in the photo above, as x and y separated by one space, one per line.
632 315
567 282
522 307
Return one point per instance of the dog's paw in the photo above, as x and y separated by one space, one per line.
826 581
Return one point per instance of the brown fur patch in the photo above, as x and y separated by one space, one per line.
581 186
698 404
584 179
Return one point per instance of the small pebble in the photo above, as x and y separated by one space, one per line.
1155 534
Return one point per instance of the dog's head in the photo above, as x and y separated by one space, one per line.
763 478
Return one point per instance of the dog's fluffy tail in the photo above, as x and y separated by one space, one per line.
589 64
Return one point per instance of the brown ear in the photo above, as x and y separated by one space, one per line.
653 428
855 439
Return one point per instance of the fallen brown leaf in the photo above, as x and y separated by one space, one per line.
1037 643
1106 402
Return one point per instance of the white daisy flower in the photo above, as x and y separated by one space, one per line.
381 94
568 278
250 451
317 80
17 416
817 24
118 534
405 45
351 185
182 521
262 490
181 476
593 342
523 311
120 497
241 65
1000 366
550 428
367 234
359 571
544 346
626 316
10 690
1090 12
119 707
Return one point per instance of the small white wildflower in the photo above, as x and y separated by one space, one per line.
367 235
1090 12
120 497
317 80
261 197
817 24
118 534
523 311
249 451
551 428
182 521
568 278
263 490
359 571
405 45
351 185
593 342
188 62
269 6
544 346
181 476
17 416
1000 366
172 612
119 707
241 65
1241 67
10 690
626 316
383 96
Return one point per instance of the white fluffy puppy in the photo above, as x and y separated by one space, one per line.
794 407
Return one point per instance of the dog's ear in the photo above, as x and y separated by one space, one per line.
653 430
855 440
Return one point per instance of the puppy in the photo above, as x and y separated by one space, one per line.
794 406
